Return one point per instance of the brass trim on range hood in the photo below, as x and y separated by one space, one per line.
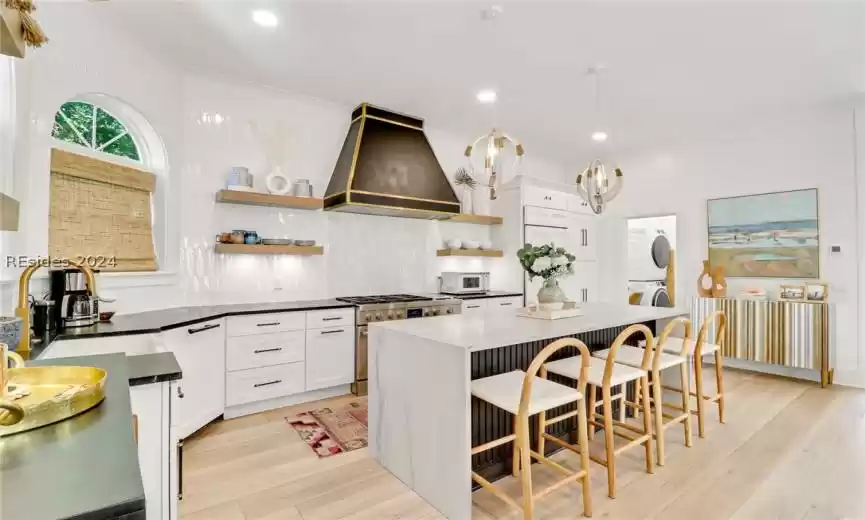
387 167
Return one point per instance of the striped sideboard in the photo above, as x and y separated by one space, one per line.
790 334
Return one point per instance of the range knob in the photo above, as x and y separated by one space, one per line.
378 316
449 310
399 315
390 315
435 312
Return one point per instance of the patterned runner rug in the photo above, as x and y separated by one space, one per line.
331 431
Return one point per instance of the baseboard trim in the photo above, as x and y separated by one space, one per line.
233 412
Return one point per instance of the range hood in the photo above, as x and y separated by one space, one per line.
387 167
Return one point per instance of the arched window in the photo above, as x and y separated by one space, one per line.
85 124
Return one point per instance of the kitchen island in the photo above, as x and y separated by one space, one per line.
423 420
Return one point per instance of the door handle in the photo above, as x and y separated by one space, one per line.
179 470
332 318
473 306
269 324
202 329
267 350
508 303
332 331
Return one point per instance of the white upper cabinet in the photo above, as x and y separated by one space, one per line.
578 205
545 198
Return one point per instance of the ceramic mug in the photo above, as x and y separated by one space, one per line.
10 413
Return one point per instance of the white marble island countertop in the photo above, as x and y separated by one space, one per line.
499 327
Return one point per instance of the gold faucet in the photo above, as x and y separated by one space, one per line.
23 309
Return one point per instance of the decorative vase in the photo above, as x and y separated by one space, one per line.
466 200
481 201
719 283
551 296
702 290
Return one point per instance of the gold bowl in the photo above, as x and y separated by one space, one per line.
52 394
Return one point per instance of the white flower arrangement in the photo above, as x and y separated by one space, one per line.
546 261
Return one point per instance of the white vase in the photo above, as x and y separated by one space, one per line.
481 200
466 205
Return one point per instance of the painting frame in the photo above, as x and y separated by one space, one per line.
814 256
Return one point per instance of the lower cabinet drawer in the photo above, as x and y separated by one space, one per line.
259 384
264 350
505 303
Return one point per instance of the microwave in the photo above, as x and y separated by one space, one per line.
465 283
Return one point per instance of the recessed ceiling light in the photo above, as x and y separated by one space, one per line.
265 18
599 136
486 96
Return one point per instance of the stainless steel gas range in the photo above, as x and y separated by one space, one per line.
385 308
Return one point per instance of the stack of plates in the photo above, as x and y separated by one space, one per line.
277 241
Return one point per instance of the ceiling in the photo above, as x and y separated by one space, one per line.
671 65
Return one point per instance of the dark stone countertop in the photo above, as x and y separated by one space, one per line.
157 321
488 294
147 369
84 468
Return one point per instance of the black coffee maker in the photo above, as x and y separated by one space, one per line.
74 306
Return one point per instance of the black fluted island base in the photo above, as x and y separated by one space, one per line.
490 422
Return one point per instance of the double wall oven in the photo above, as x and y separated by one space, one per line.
389 307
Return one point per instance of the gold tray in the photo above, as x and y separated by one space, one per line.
56 394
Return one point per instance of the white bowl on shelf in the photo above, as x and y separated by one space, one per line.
486 244
454 243
471 244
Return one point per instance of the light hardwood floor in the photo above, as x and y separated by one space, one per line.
789 451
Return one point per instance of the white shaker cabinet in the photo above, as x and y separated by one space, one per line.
151 411
584 238
511 302
474 306
329 357
200 396
584 282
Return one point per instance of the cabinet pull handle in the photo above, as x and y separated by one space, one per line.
179 470
180 394
267 350
257 385
268 324
332 331
332 318
202 329
508 303
135 427
473 306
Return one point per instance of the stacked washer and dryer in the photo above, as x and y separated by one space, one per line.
648 257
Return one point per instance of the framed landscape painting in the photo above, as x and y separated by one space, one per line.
771 235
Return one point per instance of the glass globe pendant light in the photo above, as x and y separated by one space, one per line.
594 184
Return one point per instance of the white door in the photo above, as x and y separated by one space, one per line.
584 286
329 357
147 406
200 396
585 230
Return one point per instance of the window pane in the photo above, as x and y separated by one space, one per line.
107 128
80 115
124 147
63 132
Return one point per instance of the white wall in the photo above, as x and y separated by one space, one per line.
364 254
803 150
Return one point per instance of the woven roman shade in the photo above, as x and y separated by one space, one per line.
101 212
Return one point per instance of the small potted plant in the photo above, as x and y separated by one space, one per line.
550 263
464 179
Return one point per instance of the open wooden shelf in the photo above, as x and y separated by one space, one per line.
252 198
491 253
258 249
483 220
